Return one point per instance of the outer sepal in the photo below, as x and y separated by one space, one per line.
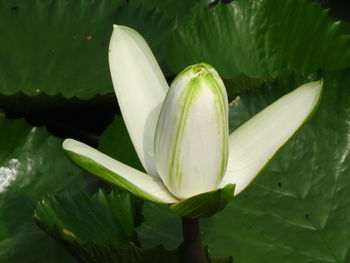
117 173
206 204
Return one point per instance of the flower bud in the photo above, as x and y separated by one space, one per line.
191 141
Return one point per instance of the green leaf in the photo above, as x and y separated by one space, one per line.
56 47
171 8
261 38
155 230
298 209
105 229
206 204
103 218
116 143
32 165
154 26
56 50
240 84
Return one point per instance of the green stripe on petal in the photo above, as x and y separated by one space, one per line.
140 87
117 173
191 142
257 141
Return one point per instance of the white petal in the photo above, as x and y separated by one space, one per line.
117 173
140 87
191 143
254 143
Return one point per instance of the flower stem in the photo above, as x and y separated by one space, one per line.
192 247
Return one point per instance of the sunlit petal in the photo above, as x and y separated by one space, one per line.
140 88
254 143
117 173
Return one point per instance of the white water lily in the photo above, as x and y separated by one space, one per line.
181 134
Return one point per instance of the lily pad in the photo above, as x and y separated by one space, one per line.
104 232
32 164
261 38
57 50
171 8
56 47
100 229
116 143
109 217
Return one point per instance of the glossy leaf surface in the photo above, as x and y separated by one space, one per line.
57 50
32 165
171 8
105 229
105 235
109 217
116 143
56 47
261 38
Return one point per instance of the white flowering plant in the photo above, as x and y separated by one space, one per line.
236 81
181 133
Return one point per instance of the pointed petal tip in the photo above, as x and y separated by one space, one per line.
317 85
67 143
321 85
314 89
122 28
120 34
72 145
125 31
